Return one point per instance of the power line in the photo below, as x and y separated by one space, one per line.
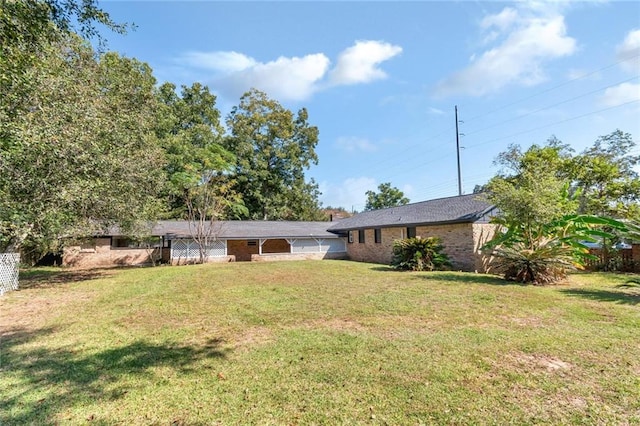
553 124
553 105
553 87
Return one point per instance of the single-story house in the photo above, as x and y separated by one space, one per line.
461 222
234 241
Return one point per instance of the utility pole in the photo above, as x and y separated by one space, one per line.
458 153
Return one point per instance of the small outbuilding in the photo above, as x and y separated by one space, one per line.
461 222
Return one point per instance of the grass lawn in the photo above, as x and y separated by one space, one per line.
329 342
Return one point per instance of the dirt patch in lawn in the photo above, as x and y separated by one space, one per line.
251 337
529 322
537 361
52 278
337 324
27 309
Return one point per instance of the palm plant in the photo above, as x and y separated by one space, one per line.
419 254
544 253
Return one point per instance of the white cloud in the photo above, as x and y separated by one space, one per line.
353 144
435 111
503 20
359 63
348 194
284 79
621 94
292 78
629 52
524 42
219 61
574 74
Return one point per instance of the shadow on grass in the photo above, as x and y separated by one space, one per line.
468 278
458 277
50 277
383 268
49 380
627 298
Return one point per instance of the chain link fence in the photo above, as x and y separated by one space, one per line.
9 271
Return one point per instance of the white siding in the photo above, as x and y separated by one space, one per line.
305 245
337 245
312 245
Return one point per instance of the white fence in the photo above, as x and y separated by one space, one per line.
9 271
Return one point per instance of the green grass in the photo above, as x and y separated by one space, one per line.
329 342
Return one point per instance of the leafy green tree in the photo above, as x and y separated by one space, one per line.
387 196
200 188
30 30
605 174
84 155
273 147
551 201
27 29
189 131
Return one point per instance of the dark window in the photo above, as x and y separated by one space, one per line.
378 235
124 242
411 232
361 236
252 243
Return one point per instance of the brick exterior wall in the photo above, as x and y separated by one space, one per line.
100 254
276 257
241 249
217 259
461 243
482 233
276 246
103 255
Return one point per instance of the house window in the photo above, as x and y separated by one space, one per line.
88 246
124 242
377 233
411 232
252 243
361 235
350 237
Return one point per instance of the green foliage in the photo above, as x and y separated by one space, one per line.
540 193
602 178
189 131
273 147
606 175
82 155
419 254
387 196
543 254
27 29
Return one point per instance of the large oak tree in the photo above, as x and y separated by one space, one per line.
273 148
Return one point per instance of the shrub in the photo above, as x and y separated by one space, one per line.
542 265
543 254
419 254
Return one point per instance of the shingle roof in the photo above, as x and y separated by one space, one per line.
459 209
245 229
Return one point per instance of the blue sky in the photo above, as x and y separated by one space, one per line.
380 79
